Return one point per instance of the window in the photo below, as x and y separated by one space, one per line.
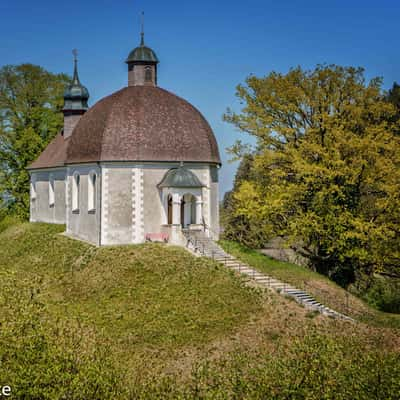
51 191
169 209
148 75
75 192
33 189
92 192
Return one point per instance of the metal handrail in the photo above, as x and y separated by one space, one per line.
207 227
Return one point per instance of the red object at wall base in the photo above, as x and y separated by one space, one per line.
157 237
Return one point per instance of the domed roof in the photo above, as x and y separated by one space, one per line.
76 91
142 123
180 178
142 54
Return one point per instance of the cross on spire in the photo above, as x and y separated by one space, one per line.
142 29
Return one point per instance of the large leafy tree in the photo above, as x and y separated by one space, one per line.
237 226
328 167
393 96
30 116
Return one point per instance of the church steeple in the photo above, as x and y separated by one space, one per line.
142 64
75 79
76 98
76 95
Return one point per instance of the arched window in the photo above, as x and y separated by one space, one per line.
148 74
51 191
75 192
33 188
169 209
92 191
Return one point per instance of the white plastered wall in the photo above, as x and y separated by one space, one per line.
41 208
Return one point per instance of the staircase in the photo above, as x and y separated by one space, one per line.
200 244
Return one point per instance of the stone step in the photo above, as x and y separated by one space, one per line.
315 303
219 257
225 260
239 266
255 274
296 292
208 248
244 270
271 282
303 295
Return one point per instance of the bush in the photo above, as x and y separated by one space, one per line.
384 294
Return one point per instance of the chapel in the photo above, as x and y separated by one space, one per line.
142 163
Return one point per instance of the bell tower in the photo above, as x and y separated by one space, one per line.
76 98
142 64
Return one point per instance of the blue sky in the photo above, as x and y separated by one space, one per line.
205 47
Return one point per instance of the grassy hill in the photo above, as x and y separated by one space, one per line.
152 321
322 288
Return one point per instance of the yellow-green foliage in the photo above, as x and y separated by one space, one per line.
327 167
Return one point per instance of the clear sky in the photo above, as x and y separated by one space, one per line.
205 47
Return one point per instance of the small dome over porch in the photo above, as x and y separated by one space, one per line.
180 177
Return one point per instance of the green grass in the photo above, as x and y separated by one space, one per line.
153 321
145 296
323 289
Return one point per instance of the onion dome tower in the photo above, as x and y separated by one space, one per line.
142 65
76 98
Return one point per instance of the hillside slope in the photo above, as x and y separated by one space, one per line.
152 321
319 286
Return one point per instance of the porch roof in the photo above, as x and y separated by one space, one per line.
180 177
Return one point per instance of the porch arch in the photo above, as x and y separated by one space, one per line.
181 192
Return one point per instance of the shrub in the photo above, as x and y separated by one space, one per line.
384 294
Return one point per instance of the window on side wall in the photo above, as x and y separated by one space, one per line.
75 192
51 191
92 192
33 189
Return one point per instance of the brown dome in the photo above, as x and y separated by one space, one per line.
142 123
